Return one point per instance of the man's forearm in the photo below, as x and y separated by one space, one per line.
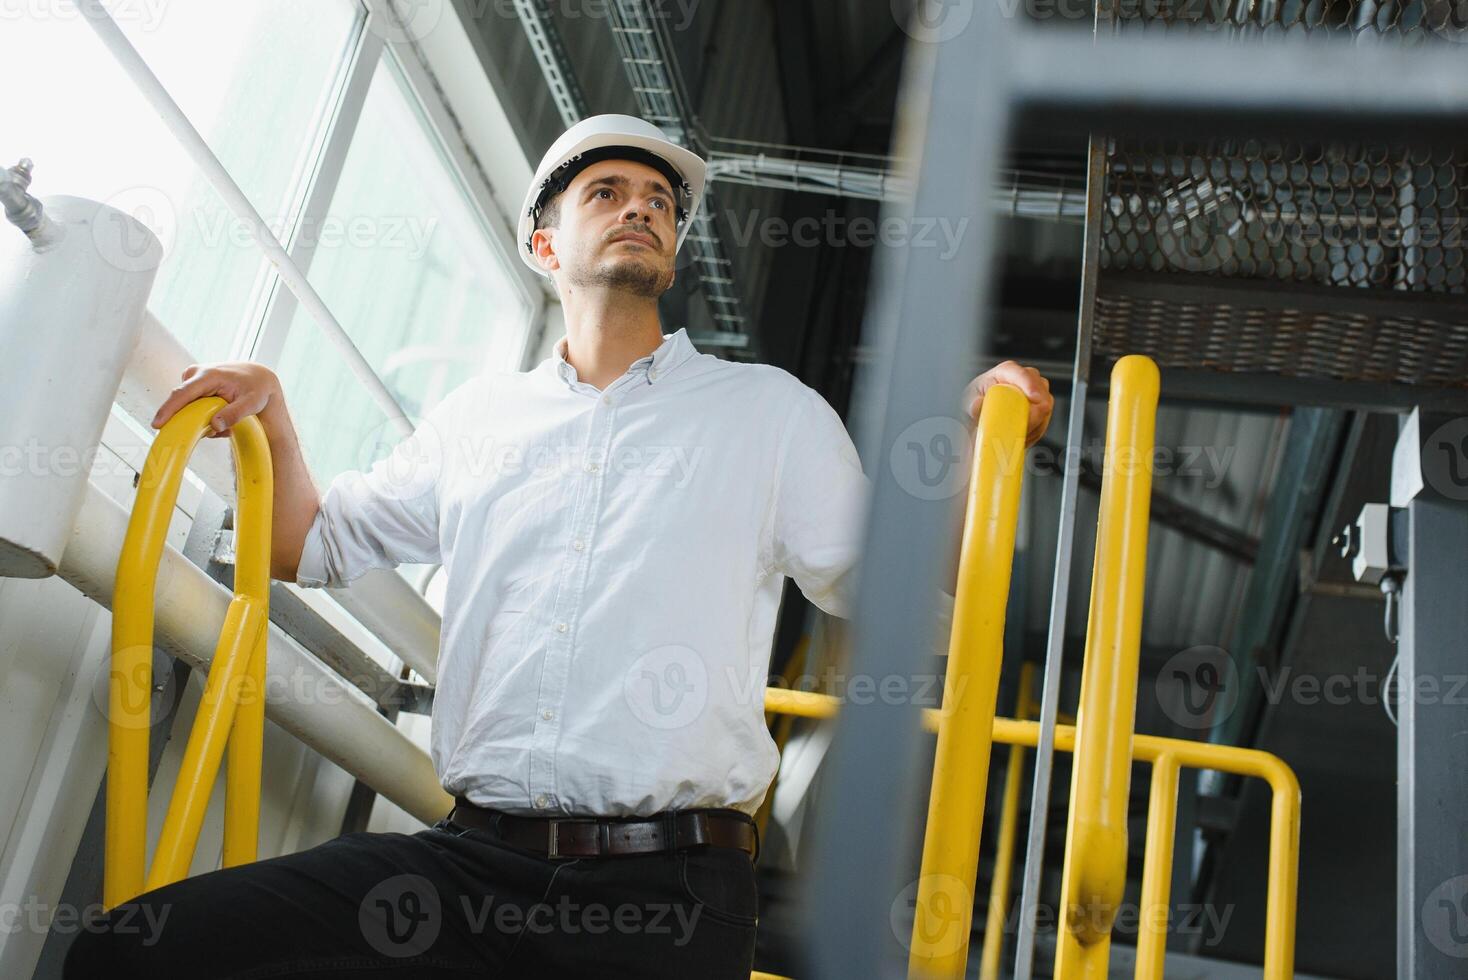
296 500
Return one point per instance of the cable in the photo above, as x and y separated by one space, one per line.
1392 587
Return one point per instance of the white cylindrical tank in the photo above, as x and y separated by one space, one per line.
71 309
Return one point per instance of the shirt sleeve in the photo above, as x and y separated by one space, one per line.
385 516
821 500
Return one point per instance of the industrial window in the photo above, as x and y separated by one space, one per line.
254 84
405 265
312 114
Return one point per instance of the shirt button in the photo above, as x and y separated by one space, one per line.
591 467
560 627
547 714
540 800
652 372
578 544
606 399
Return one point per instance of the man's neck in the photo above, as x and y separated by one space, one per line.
606 331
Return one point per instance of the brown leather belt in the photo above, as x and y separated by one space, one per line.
574 837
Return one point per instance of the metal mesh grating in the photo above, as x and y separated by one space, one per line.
1363 347
1410 21
1362 220
1371 217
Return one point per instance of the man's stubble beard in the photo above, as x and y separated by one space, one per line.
637 278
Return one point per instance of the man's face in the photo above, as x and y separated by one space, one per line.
617 228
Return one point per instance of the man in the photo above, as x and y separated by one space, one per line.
615 526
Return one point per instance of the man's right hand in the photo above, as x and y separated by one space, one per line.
247 386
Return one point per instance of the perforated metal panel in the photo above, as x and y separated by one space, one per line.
1292 343
1366 220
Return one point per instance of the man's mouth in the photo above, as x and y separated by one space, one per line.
631 237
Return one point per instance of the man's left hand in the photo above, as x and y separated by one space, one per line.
1027 380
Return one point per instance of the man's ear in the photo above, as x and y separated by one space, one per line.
542 243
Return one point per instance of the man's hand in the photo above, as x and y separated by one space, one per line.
248 387
1027 380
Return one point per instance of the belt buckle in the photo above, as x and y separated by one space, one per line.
553 844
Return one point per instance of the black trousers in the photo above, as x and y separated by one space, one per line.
446 902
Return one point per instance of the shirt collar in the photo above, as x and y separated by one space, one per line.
673 351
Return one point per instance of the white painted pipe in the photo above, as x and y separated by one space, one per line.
303 696
193 144
71 309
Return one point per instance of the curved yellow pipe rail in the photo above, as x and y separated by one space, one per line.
943 914
1284 828
233 707
1096 834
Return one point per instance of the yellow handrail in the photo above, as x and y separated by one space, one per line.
1103 740
1157 869
1284 828
1004 846
943 914
1094 875
233 706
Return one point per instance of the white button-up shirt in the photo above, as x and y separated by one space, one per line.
614 565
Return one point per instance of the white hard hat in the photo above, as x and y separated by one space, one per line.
612 137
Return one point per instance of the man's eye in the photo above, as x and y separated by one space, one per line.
604 190
660 203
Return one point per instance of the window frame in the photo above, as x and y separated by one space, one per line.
263 339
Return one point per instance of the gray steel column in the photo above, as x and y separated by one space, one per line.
1432 734
1034 865
928 318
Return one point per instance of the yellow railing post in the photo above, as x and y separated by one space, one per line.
943 914
1157 870
1096 834
1004 847
242 777
1284 868
233 706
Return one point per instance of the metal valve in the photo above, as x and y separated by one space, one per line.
22 210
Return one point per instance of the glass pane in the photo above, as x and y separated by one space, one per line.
405 266
253 78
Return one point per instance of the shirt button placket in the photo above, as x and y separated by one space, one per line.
559 654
